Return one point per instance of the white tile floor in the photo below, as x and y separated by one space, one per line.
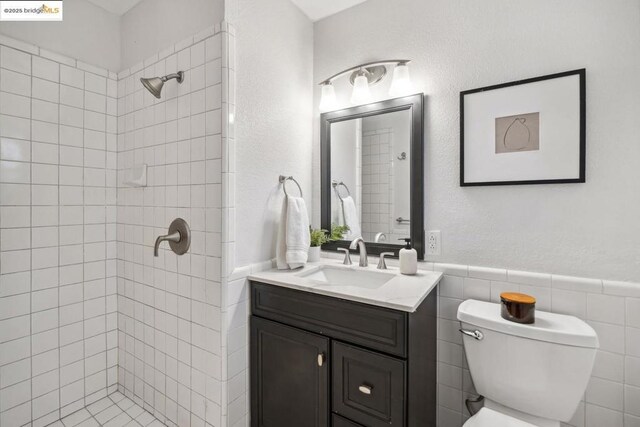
115 410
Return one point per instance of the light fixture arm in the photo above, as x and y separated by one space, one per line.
364 66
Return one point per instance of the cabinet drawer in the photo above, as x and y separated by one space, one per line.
338 421
374 327
368 387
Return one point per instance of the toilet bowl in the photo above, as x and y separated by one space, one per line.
530 375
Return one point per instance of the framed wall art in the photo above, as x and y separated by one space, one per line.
526 132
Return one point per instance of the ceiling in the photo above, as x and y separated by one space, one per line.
318 9
314 9
118 7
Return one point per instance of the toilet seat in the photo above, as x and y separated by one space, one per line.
489 418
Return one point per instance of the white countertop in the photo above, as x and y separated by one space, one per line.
404 293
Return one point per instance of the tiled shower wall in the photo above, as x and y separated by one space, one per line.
170 335
377 175
611 308
57 234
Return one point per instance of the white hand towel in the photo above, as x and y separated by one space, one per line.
281 239
351 217
298 239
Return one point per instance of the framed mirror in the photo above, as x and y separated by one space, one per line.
372 169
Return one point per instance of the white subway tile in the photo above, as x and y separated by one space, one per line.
15 105
43 153
15 261
61 59
14 373
71 136
632 370
18 44
477 289
71 76
45 90
597 416
95 83
605 308
45 69
15 60
633 312
15 350
631 399
17 416
632 342
44 132
13 82
71 116
529 278
15 127
609 366
44 174
611 337
569 302
625 289
12 239
44 216
44 111
576 284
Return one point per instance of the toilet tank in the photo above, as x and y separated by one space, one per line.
541 369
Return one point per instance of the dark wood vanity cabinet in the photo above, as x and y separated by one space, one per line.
319 361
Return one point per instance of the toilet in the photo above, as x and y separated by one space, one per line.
530 375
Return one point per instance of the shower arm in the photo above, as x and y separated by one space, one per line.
179 76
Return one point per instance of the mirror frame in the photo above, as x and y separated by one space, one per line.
415 104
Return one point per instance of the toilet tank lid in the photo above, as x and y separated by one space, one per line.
549 327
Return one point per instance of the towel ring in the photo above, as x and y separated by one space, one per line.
336 184
283 180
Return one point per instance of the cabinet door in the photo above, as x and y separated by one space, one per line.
289 376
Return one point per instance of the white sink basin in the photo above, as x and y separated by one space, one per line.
336 276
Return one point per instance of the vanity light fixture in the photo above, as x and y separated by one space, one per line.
401 83
362 77
328 101
361 93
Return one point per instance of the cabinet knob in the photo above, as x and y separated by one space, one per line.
365 389
320 359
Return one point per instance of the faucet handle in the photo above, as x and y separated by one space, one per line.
347 256
382 265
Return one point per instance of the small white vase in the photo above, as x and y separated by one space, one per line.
314 254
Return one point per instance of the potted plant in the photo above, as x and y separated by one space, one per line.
318 238
337 232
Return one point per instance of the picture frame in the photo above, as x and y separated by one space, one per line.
530 131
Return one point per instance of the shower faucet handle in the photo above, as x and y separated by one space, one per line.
179 237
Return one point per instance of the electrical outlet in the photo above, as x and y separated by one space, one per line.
434 242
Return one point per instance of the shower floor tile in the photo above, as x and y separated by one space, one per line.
115 410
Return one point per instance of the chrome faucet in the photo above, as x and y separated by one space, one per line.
359 242
380 237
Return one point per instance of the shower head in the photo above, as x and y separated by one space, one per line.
154 84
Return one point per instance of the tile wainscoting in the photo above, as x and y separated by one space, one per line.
611 308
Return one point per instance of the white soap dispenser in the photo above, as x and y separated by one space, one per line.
408 259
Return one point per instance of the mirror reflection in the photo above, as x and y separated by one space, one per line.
370 176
